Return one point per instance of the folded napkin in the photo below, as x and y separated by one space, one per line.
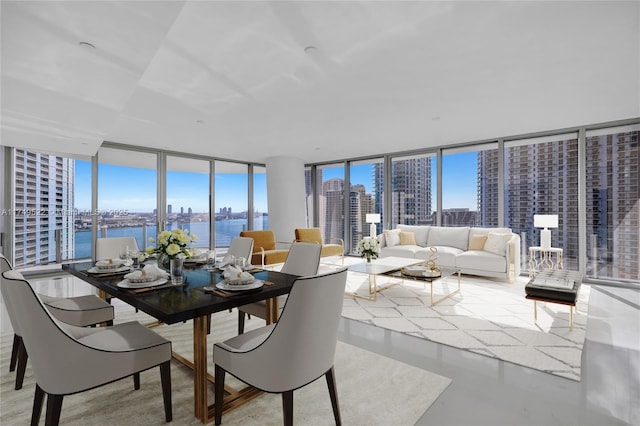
236 275
109 263
147 271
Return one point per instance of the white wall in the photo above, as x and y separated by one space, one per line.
286 196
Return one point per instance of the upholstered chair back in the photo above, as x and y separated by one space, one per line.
301 346
303 259
264 238
312 235
110 248
241 247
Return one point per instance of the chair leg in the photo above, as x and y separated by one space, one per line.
38 400
22 364
287 407
165 377
333 393
136 381
54 407
241 316
219 393
14 352
209 324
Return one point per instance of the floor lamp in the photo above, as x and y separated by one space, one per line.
545 221
373 218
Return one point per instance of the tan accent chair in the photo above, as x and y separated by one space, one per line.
297 350
81 311
303 260
265 251
313 235
66 359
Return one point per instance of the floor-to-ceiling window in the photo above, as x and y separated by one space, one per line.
231 201
188 197
413 191
43 211
613 203
470 186
541 177
127 194
330 189
365 198
260 207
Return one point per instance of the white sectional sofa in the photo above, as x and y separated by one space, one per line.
491 252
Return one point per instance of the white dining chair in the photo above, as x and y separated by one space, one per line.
112 247
67 359
81 311
303 260
241 247
291 353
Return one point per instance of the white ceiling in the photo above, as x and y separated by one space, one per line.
313 80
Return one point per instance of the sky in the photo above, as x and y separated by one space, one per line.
134 190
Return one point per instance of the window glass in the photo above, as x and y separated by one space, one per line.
127 194
43 211
330 189
541 177
613 203
365 197
260 206
188 197
470 186
413 191
231 201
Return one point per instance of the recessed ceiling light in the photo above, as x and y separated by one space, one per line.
86 45
200 121
310 49
436 118
317 148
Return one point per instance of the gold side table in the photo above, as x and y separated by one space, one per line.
543 258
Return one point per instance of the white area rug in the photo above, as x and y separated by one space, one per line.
372 389
489 317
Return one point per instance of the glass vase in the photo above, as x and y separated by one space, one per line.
176 270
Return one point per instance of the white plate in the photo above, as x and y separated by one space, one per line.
127 284
94 270
239 287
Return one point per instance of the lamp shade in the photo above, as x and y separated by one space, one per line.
545 220
373 218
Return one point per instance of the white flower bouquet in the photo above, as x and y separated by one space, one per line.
369 248
172 244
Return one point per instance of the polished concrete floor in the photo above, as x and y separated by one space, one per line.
486 391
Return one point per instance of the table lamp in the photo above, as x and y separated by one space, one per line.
545 221
373 218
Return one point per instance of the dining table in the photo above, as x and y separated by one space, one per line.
196 298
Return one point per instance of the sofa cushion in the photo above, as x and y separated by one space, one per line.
476 242
446 256
484 232
481 261
392 237
497 243
457 237
421 232
407 238
400 251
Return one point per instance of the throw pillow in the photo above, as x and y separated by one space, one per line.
497 243
477 242
392 237
407 238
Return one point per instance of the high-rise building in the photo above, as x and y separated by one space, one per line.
410 191
44 208
613 210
